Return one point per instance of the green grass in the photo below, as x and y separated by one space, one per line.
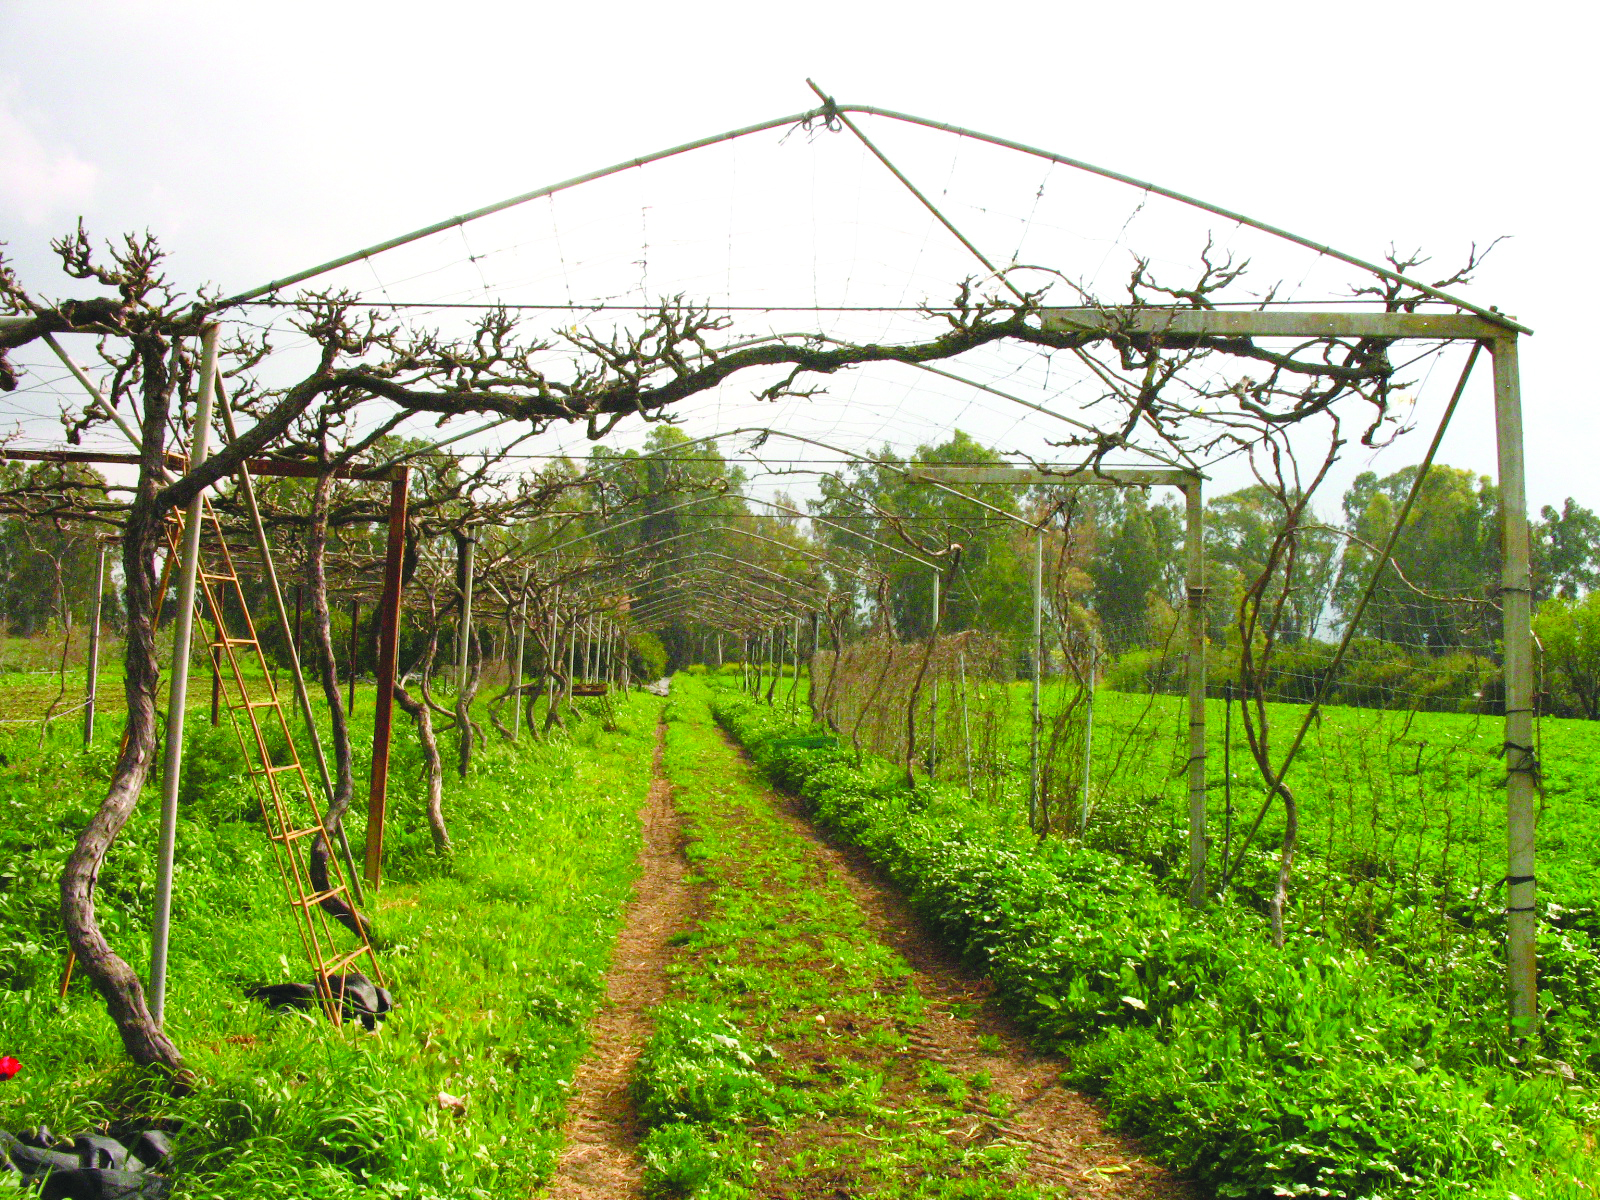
496 957
782 1063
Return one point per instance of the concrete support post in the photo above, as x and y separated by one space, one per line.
178 687
1194 553
1522 767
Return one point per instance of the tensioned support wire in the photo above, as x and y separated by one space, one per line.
832 111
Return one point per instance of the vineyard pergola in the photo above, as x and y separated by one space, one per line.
1184 378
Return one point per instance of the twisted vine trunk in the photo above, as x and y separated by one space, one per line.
338 726
432 763
112 977
1291 835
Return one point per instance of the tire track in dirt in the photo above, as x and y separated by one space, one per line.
1065 1136
602 1130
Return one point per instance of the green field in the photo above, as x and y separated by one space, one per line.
1397 799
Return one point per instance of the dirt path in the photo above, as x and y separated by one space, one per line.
601 1130
1065 1137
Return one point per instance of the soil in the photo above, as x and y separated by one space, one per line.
1063 1133
602 1130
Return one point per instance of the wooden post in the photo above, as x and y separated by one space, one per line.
299 606
1194 550
92 679
388 657
1522 766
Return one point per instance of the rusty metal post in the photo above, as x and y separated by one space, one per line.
216 691
388 656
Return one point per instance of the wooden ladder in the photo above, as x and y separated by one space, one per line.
288 798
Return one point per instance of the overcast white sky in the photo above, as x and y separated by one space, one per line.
257 138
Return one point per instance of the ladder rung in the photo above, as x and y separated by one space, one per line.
344 960
233 641
219 578
294 766
272 703
318 897
295 834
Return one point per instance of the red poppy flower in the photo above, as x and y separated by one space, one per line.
8 1067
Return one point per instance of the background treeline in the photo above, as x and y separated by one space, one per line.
1428 638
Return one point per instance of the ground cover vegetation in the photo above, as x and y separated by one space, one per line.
496 954
1326 1067
784 1063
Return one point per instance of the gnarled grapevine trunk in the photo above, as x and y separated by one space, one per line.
112 977
336 907
432 763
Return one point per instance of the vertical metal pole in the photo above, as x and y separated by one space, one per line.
1194 551
355 646
1035 800
966 726
572 654
299 606
719 651
811 665
178 690
522 641
388 660
92 680
464 627
553 654
933 711
216 690
1088 744
1522 767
